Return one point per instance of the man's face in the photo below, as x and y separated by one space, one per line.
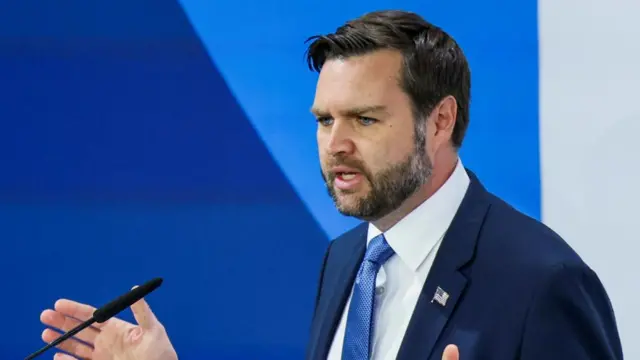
373 157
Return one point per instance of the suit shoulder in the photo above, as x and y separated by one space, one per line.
526 240
351 236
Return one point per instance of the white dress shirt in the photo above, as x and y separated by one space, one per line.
415 240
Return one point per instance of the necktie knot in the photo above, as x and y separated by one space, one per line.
378 251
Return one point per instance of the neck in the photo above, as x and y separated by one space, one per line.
437 179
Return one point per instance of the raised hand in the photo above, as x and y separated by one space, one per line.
114 339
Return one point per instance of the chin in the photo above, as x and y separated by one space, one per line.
360 191
356 212
348 203
353 196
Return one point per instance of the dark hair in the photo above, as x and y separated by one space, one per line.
434 66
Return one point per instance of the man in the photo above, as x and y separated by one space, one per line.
441 268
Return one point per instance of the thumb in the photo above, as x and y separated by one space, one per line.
450 353
143 314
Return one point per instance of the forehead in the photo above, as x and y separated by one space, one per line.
371 79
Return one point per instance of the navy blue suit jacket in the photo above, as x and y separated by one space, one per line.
516 291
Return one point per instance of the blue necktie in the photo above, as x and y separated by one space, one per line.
357 337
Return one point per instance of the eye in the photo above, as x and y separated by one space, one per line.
325 120
367 121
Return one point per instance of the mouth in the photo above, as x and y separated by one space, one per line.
348 180
346 176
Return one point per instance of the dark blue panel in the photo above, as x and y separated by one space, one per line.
124 157
239 279
94 116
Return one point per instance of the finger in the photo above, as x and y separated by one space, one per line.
143 314
450 353
71 346
61 356
57 320
82 312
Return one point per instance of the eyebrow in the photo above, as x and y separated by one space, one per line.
357 111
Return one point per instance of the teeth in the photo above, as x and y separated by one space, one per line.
348 176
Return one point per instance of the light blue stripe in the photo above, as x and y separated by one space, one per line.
259 50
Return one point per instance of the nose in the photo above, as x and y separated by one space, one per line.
340 140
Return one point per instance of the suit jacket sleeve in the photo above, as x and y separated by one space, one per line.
571 318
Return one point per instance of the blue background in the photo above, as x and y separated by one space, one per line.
173 139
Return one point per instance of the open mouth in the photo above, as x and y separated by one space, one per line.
348 181
346 175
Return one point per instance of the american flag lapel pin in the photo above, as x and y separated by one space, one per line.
440 296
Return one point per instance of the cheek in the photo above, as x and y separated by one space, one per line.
321 142
374 158
399 139
385 153
323 160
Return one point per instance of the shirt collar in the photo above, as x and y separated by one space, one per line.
413 237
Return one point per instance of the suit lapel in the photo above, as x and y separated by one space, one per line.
338 287
445 283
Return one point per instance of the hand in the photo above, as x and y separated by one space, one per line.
115 339
451 353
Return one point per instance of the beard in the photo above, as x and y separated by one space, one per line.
389 187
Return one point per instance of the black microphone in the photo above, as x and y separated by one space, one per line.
106 312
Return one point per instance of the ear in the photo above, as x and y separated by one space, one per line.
442 121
